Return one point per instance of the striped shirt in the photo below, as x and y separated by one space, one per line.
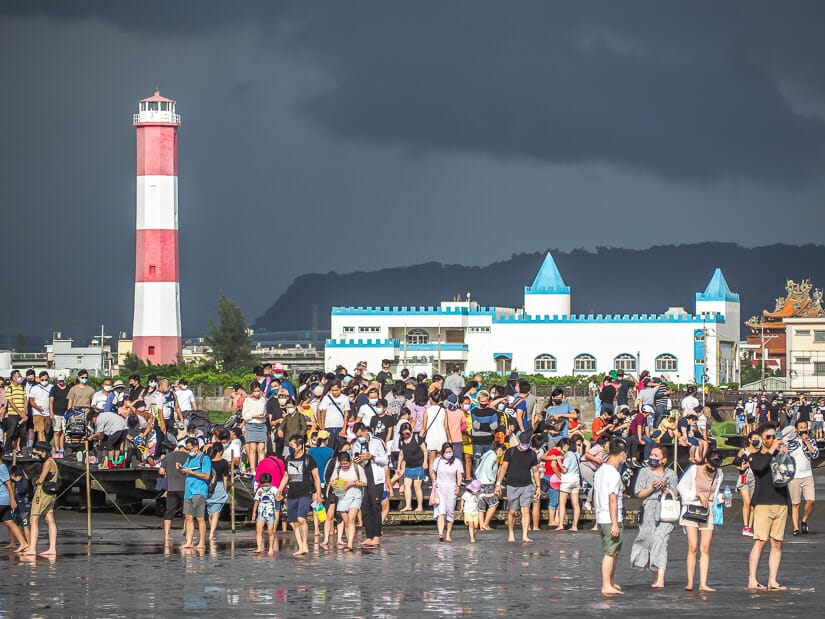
16 396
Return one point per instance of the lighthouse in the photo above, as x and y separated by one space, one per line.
156 333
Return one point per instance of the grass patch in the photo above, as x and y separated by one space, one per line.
720 429
219 417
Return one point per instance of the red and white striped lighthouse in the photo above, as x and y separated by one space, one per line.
156 334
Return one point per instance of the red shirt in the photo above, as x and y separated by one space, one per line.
548 470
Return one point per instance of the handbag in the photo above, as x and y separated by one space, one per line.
670 507
696 513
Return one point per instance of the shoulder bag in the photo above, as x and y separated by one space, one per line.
670 507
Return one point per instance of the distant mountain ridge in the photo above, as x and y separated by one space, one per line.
605 281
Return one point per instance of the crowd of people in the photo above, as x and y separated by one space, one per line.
334 448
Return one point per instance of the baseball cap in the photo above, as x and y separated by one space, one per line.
322 434
647 408
278 367
61 376
525 438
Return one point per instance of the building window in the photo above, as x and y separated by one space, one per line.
803 360
666 363
819 336
369 329
151 350
478 329
503 364
584 363
418 336
803 331
625 362
545 363
349 329
819 368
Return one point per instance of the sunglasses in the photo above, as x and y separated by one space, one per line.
768 437
802 432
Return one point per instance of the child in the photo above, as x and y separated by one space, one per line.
265 510
23 494
469 501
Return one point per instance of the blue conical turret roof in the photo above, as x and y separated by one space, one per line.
548 280
717 289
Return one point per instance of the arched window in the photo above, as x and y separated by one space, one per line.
584 363
545 363
625 361
666 363
418 336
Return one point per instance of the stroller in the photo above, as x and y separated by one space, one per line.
200 421
76 430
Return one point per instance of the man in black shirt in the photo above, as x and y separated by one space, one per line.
626 383
304 485
58 407
770 512
803 411
520 468
607 395
384 377
136 390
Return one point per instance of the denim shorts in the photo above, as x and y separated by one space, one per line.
297 508
415 472
266 519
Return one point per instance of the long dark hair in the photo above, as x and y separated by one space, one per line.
420 396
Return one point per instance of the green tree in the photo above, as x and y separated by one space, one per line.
132 364
229 338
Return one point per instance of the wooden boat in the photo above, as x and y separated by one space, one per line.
124 488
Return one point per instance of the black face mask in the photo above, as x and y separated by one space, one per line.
714 463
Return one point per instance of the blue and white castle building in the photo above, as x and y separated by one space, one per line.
543 337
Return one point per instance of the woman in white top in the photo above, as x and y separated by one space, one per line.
700 485
435 433
254 421
348 481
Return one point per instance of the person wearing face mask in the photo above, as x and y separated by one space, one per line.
44 502
293 423
412 466
3 406
369 409
16 415
520 469
104 399
39 402
770 512
255 429
700 485
371 453
58 406
745 483
649 551
447 474
304 483
455 422
349 482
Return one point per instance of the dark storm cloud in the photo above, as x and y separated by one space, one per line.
688 91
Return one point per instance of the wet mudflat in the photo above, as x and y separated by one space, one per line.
127 571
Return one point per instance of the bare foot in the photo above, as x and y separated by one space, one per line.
526 540
21 550
656 585
405 509
256 550
776 587
619 587
574 528
448 539
559 528
271 552
201 546
300 553
755 586
688 587
212 538
611 591
472 541
511 540
419 510
53 553
706 589
324 545
188 546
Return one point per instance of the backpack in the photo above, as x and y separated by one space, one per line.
783 469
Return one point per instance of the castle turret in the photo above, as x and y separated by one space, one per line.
548 295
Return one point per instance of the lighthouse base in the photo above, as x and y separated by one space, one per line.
157 349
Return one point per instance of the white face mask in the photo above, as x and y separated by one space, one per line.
107 387
153 383
44 382
290 410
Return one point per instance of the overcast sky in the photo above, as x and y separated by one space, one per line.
322 136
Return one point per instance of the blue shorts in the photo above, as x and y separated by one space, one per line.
693 441
267 519
415 472
298 508
552 498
